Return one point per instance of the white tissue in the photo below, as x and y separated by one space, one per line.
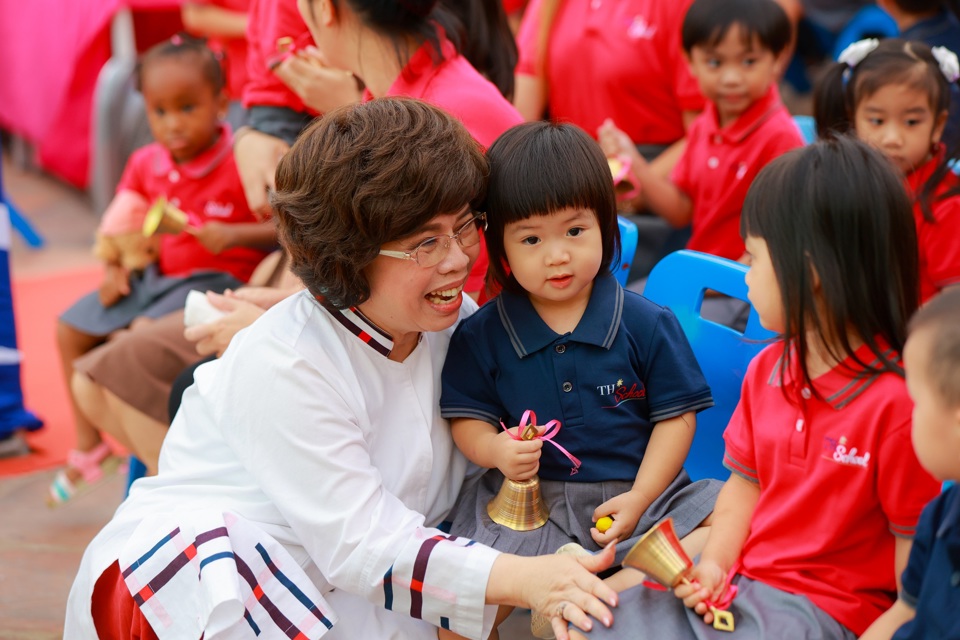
198 310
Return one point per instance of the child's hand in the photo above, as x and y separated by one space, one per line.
322 87
708 581
614 141
516 459
215 236
115 285
625 509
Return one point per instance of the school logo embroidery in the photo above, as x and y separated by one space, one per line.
621 393
838 451
640 29
218 210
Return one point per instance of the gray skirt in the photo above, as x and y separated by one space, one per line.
571 506
760 612
151 295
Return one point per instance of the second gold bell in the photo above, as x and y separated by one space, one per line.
164 217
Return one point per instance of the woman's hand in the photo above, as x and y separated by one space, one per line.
708 581
517 459
263 297
257 155
215 236
214 337
561 587
322 87
115 285
625 509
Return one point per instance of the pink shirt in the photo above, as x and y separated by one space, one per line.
619 59
940 240
459 89
838 480
206 188
719 165
269 21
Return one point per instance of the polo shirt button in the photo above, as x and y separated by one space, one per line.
800 424
560 348
955 579
174 176
717 139
567 387
713 163
805 392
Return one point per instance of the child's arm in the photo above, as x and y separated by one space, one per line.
892 619
211 21
666 451
489 447
728 532
659 194
220 236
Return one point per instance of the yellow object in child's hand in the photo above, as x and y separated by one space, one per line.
604 523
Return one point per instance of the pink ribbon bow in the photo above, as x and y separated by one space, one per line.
549 431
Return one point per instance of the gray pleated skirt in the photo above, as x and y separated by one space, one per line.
760 612
571 506
151 295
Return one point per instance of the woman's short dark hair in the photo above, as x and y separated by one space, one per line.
708 21
538 168
837 210
365 175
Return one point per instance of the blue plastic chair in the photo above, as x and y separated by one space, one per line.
135 471
679 281
808 128
629 236
869 22
20 224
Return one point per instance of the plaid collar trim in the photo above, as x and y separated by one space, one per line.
353 320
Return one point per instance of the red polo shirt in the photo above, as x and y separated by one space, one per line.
206 188
838 480
718 166
619 59
270 20
459 89
939 240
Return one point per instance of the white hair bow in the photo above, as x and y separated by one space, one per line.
949 66
856 52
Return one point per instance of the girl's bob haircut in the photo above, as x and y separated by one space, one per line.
839 228
538 168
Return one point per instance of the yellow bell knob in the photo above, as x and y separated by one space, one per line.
604 523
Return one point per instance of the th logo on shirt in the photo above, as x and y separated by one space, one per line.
622 393
640 29
218 210
840 452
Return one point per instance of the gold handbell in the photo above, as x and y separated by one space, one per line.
659 555
519 505
163 217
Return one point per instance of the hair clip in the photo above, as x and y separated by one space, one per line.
949 65
856 52
176 40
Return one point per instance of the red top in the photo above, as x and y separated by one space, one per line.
206 188
235 50
939 240
838 480
718 166
269 21
459 89
619 59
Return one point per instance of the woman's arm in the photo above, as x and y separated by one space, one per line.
892 619
663 460
211 20
530 97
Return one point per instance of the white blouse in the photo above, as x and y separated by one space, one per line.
307 431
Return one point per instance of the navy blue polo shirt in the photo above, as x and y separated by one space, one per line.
931 581
624 368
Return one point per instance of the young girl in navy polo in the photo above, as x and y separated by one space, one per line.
816 521
565 341
191 166
895 95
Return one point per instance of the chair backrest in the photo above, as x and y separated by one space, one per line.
808 128
870 22
628 248
679 282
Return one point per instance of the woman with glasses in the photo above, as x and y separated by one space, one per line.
302 479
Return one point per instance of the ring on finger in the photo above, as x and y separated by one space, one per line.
560 610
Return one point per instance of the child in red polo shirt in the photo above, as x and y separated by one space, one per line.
816 520
735 50
191 166
895 95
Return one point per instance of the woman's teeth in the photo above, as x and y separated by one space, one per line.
444 295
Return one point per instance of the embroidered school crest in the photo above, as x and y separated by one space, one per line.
841 452
622 392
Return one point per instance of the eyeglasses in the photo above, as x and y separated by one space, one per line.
432 251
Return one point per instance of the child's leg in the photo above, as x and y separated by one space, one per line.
73 344
502 613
